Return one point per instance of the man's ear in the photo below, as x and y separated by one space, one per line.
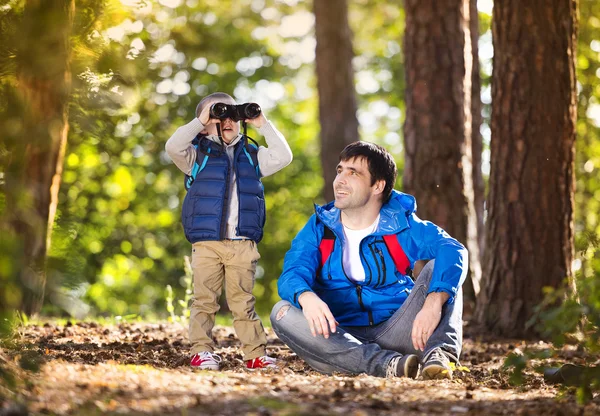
379 187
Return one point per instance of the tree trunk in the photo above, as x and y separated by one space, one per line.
529 237
438 128
477 141
35 168
335 84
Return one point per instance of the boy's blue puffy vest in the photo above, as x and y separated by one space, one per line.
204 211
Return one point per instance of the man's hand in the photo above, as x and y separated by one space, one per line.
428 319
257 122
317 314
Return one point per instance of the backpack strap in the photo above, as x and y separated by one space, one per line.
251 152
326 245
189 179
400 260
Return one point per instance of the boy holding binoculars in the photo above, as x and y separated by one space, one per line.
223 215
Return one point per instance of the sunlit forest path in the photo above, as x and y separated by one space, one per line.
136 368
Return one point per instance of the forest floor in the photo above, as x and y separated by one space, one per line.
139 369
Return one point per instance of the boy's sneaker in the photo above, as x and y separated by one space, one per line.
205 360
437 366
403 366
260 363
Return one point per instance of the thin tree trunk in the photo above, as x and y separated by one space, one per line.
335 84
438 128
477 141
35 168
529 240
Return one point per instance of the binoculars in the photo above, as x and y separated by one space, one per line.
238 112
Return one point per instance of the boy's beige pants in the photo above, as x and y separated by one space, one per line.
233 261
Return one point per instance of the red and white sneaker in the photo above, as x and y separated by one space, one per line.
261 363
205 360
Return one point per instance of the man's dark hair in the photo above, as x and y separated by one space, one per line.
381 164
217 95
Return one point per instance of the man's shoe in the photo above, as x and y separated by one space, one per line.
205 360
261 363
437 366
403 366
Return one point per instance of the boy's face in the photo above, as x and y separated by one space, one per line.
229 128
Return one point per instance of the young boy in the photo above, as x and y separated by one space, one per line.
223 215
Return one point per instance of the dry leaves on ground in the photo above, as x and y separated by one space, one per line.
140 368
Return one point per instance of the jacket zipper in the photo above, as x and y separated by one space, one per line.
360 302
362 257
377 263
225 200
329 259
362 306
382 265
358 287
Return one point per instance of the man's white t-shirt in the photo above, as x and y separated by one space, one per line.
351 258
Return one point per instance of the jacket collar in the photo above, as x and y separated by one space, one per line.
393 214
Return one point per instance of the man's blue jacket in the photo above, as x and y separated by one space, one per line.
385 289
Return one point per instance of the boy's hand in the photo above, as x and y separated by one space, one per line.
204 117
317 313
257 122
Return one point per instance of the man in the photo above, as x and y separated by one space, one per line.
346 305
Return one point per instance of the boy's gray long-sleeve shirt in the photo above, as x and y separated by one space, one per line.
271 159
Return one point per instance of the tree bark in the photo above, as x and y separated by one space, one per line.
335 84
529 241
35 168
438 129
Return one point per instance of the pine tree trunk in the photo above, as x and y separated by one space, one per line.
438 128
477 141
35 169
529 237
335 84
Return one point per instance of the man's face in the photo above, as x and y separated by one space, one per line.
229 128
352 185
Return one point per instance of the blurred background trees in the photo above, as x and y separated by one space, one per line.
335 84
138 69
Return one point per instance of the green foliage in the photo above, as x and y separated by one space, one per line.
118 226
517 363
568 317
587 157
184 316
139 69
139 75
378 28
